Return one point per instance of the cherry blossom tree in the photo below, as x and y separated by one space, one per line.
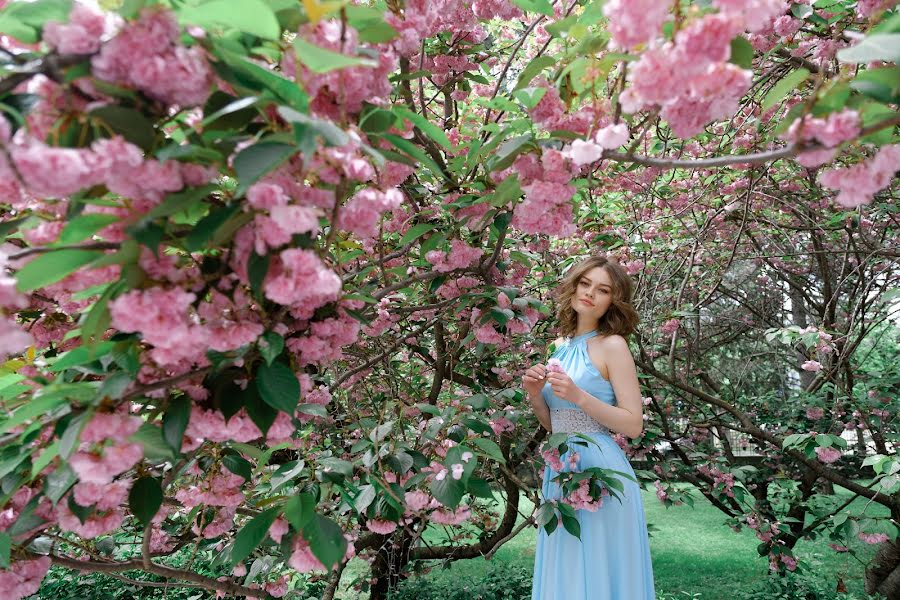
272 270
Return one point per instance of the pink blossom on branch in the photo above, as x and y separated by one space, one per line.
858 184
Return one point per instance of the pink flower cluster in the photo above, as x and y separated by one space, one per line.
445 516
222 488
299 277
690 79
814 413
836 128
670 327
581 498
828 455
23 577
81 35
361 214
496 9
719 477
755 15
106 501
461 256
547 207
859 183
635 22
812 366
342 91
147 55
13 339
552 458
162 316
98 460
873 538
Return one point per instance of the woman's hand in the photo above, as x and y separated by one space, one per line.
534 379
564 387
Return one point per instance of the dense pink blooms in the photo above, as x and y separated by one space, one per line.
92 467
146 54
81 35
755 15
223 488
461 256
299 276
612 136
581 499
211 425
416 500
634 22
670 327
496 9
815 413
342 91
23 578
873 538
859 183
13 339
552 458
110 426
831 131
829 454
361 214
584 152
555 366
381 526
445 516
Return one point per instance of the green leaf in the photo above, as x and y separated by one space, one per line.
270 346
416 152
278 387
416 231
238 465
878 46
539 6
207 227
250 16
57 483
175 420
490 448
33 407
364 498
84 226
320 60
81 355
326 540
252 534
572 525
155 446
260 413
299 510
741 52
448 491
882 84
286 90
428 128
532 70
131 124
23 20
784 87
50 267
5 547
370 24
257 269
255 161
316 410
145 498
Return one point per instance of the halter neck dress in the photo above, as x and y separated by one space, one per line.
612 559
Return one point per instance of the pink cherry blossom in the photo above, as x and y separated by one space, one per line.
815 413
584 152
23 577
857 184
811 365
634 22
828 454
873 538
381 526
81 35
612 136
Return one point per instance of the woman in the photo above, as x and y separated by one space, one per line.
597 393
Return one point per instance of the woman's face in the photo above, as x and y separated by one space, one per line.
593 294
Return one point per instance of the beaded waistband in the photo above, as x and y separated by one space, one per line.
573 420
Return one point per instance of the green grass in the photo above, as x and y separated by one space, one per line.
692 551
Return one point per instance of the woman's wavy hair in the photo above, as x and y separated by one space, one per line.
620 319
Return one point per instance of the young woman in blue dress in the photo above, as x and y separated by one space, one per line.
595 393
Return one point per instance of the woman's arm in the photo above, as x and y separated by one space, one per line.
627 416
540 410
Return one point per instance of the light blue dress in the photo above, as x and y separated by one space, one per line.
612 559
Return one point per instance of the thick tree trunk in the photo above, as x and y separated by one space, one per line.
884 574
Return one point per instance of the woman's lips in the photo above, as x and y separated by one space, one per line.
586 302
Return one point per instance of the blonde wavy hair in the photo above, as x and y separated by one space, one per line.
620 319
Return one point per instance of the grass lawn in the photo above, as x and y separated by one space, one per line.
694 554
